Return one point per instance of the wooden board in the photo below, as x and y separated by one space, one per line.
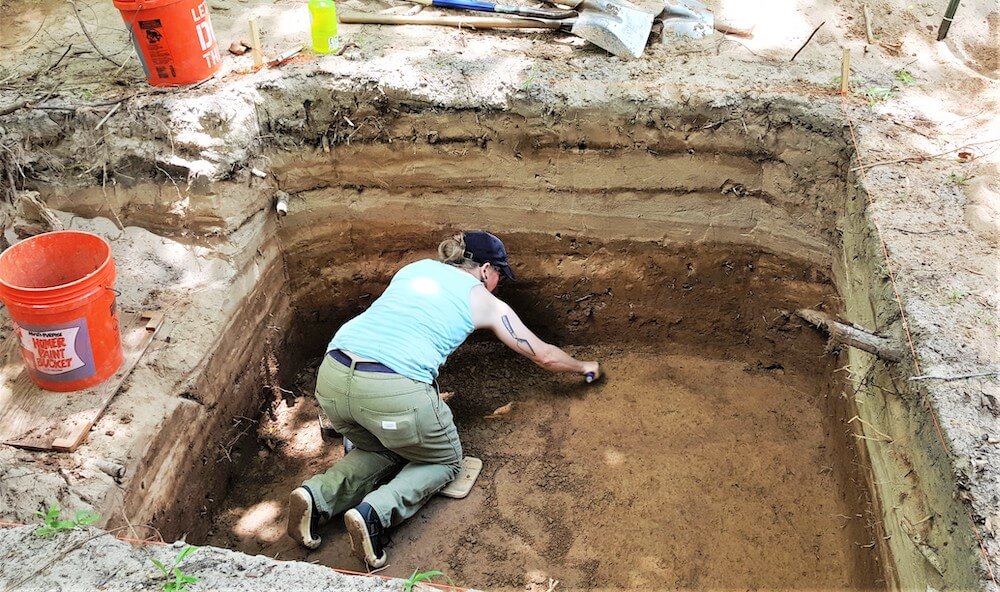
31 417
462 484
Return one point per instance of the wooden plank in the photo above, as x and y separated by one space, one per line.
31 417
258 54
868 23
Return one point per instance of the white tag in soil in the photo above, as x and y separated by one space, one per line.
462 485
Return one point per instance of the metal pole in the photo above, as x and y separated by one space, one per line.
949 15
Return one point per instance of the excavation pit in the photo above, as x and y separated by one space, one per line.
715 455
725 449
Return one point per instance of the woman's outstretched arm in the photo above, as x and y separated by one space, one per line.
489 312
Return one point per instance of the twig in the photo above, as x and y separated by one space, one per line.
108 116
14 107
845 72
27 102
59 61
135 535
807 42
956 377
922 157
882 435
41 25
87 33
104 190
853 336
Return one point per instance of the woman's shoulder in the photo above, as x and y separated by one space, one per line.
422 264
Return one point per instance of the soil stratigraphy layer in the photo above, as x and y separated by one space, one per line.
686 468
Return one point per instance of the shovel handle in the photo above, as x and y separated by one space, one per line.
478 5
728 29
472 22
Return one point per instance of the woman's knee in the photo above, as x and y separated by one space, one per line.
454 468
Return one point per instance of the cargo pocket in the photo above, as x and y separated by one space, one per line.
394 430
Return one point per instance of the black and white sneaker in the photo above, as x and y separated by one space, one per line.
366 535
303 518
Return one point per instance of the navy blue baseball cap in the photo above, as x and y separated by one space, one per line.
483 247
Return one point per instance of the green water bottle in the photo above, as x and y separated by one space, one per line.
323 14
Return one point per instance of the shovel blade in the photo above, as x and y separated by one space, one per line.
621 30
686 18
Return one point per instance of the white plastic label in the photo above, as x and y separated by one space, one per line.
388 425
54 351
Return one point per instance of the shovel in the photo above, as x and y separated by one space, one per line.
691 18
616 27
548 13
465 22
608 24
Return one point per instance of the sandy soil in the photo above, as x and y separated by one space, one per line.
938 213
682 470
92 559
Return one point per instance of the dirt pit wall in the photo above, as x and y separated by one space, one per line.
706 368
586 201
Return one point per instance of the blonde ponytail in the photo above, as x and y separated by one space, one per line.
452 251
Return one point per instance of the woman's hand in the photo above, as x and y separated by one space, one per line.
592 370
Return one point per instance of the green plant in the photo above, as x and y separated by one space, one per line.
838 78
905 76
180 580
423 576
958 178
878 94
955 295
53 524
526 85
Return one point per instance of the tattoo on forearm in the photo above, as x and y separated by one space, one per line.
521 343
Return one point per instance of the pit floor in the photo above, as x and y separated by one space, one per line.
684 469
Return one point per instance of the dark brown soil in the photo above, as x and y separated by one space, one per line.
689 467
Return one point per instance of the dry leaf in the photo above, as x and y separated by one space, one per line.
965 156
502 410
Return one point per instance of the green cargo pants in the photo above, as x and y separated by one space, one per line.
406 444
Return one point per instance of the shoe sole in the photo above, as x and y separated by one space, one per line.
299 518
361 542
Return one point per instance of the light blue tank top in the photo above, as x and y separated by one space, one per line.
413 327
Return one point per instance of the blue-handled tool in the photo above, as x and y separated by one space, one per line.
590 376
479 6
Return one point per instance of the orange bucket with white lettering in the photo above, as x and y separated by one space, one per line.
59 290
173 39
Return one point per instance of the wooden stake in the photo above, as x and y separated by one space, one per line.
845 73
258 55
868 23
852 336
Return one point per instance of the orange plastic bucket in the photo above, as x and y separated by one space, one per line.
59 290
173 39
